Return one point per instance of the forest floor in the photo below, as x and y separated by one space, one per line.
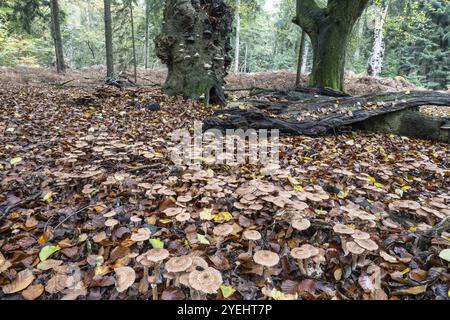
88 188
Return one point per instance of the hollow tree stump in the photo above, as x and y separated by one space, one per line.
195 45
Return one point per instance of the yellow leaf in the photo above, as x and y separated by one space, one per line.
166 221
202 239
186 244
206 214
227 291
48 197
371 179
378 185
222 217
405 188
278 295
15 160
298 188
406 271
48 251
102 270
413 229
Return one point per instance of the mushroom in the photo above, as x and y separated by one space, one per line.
356 251
222 231
267 259
173 211
301 255
367 244
157 256
301 224
178 265
251 236
360 235
343 230
318 260
204 282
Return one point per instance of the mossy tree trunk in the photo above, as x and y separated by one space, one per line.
195 45
329 29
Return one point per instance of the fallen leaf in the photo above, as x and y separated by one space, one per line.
22 281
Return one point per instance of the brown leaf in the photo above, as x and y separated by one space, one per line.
22 281
173 294
33 292
410 291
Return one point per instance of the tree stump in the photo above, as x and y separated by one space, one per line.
195 45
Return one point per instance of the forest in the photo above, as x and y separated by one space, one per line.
225 150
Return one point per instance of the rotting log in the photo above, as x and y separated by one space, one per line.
315 117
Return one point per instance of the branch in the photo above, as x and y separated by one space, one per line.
308 15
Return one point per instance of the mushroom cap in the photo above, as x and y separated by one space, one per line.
178 264
197 262
367 244
157 255
183 217
266 258
301 224
111 223
252 235
343 229
223 230
206 281
143 234
306 251
173 211
361 235
354 248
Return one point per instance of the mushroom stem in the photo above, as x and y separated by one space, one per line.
354 261
267 276
177 280
302 266
143 288
155 291
157 271
344 245
250 248
362 259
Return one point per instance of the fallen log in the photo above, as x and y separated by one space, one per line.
315 117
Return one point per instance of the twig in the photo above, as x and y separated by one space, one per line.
73 214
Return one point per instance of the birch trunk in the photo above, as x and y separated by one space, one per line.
238 36
375 63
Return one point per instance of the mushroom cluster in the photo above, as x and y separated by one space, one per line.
359 245
305 256
258 194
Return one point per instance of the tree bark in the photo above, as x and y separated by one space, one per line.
195 46
329 30
133 39
237 46
56 31
300 58
375 63
108 39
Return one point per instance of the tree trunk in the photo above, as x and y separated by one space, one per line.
147 32
195 46
375 63
300 58
237 45
329 50
329 30
134 43
56 31
108 39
